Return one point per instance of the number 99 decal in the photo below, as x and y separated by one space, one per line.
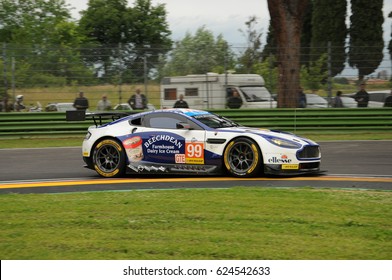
194 153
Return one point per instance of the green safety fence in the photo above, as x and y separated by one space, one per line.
292 120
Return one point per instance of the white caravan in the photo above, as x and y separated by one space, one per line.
211 91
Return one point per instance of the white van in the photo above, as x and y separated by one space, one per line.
211 91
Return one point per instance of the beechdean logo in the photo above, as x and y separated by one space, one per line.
282 159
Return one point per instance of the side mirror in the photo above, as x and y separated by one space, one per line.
183 125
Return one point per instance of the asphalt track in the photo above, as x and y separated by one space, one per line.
347 164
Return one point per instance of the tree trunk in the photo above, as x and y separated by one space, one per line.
286 19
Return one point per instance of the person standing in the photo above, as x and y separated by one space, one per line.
81 102
181 103
104 104
138 101
337 102
362 97
301 98
388 100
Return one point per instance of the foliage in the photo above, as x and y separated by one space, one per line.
390 42
252 54
314 75
306 35
329 26
30 21
41 43
366 40
124 39
198 54
341 80
268 70
150 37
270 45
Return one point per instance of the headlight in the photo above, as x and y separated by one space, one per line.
283 143
88 135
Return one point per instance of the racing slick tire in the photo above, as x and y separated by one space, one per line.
242 158
109 158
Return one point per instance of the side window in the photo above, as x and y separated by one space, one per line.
163 122
229 92
137 121
167 121
191 92
170 93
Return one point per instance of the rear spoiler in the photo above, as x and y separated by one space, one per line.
97 117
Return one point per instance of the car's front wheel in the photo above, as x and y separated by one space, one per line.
242 158
109 158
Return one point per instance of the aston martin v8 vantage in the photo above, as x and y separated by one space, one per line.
187 141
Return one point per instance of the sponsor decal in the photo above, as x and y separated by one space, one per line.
290 166
163 148
148 168
133 147
194 152
106 174
163 137
180 158
283 159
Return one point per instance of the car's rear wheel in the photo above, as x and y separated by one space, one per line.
109 158
242 158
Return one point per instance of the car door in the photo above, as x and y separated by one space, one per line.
170 138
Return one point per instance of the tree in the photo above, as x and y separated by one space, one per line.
30 21
314 74
105 24
126 38
329 25
366 41
270 44
149 36
306 35
197 54
390 44
252 55
286 19
42 41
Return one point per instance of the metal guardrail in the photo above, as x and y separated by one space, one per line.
292 120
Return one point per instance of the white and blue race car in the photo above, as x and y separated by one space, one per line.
186 141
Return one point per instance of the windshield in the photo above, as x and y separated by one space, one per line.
256 94
215 121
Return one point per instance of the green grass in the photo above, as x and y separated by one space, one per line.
236 223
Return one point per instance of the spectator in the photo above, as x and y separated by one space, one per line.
301 98
19 106
362 97
138 101
337 101
388 100
104 104
81 102
235 100
181 103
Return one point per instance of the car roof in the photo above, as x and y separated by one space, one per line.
187 112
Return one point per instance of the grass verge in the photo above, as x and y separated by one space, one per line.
235 223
